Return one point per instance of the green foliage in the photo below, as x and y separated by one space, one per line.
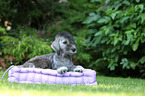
117 28
25 46
71 16
2 32
25 12
82 54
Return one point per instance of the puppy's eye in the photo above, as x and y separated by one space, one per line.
65 42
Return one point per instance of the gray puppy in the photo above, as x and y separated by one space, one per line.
61 61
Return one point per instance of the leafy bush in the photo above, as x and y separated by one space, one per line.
24 46
117 31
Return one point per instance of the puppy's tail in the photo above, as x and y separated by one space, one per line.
7 71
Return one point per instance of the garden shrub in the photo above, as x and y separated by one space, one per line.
117 32
24 46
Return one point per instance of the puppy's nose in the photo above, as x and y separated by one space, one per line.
74 49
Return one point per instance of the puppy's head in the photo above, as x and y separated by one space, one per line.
64 44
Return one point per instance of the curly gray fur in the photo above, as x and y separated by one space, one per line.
61 61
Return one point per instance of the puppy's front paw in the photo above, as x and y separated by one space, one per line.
62 70
79 69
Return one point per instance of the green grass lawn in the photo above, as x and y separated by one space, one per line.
107 86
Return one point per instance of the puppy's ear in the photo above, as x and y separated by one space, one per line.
55 46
